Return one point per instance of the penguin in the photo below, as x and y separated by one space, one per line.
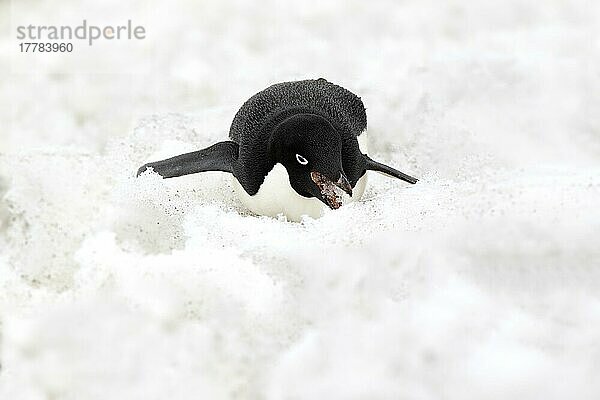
294 149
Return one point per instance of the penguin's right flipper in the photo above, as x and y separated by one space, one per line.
373 165
218 157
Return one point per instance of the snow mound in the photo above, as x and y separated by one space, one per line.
116 286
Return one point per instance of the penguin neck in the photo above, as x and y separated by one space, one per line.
274 146
255 162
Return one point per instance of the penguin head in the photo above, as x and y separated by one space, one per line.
310 149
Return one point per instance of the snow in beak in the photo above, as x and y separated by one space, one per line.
332 192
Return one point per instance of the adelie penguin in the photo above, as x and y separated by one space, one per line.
294 148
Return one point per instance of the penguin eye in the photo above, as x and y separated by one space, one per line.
301 159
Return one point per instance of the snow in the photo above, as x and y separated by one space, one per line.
481 281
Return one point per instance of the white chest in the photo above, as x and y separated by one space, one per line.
276 196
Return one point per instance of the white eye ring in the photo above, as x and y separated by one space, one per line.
301 159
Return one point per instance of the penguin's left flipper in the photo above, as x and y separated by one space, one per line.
373 165
218 157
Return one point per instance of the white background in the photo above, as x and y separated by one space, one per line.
481 281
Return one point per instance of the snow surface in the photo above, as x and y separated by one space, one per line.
480 282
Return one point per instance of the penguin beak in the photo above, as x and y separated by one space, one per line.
329 189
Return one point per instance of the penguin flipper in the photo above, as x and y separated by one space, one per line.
218 157
373 165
